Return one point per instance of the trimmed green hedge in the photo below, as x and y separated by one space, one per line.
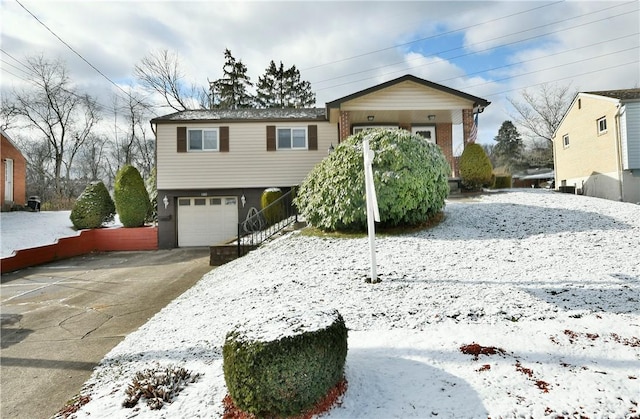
131 197
410 176
502 182
475 167
93 207
275 213
286 376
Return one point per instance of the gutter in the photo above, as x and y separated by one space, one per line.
618 140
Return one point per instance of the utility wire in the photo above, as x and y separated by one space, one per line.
467 54
84 59
429 37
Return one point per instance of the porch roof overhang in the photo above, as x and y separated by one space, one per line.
405 100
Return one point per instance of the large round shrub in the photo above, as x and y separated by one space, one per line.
410 176
93 207
283 365
475 167
132 199
273 213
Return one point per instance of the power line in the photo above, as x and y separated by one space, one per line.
84 59
472 53
430 37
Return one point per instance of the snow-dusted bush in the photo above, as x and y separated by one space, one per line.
287 373
93 207
158 386
410 176
475 167
132 199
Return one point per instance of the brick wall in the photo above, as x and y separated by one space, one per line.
467 122
345 125
444 138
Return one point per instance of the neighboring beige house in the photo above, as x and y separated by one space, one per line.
13 174
596 148
213 165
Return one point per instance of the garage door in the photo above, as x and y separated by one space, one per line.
205 221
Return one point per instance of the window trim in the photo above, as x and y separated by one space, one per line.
203 150
598 124
565 140
291 129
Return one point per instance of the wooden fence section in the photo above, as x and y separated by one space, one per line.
96 240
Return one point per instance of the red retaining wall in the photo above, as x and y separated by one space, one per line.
98 240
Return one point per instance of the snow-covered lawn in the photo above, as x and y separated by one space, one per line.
24 229
552 281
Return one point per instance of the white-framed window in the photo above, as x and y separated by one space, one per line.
203 139
291 138
428 132
602 125
360 128
565 140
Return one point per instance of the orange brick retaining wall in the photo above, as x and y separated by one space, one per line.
98 240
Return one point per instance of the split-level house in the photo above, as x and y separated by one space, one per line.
13 174
213 165
596 147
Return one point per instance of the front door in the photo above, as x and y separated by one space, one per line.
8 180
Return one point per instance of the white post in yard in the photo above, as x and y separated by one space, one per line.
372 204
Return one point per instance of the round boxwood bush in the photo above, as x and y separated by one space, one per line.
475 167
410 176
274 213
132 199
283 365
93 207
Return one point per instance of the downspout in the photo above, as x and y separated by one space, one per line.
618 140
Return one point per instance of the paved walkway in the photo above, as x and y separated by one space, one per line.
60 319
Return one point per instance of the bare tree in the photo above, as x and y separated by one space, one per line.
541 112
159 72
63 117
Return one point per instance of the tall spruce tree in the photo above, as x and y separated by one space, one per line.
283 88
231 91
509 148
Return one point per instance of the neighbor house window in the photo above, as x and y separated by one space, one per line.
205 139
602 125
292 138
565 140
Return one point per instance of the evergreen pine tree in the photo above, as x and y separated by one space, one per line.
509 148
232 88
280 88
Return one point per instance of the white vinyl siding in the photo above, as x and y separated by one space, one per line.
248 164
630 135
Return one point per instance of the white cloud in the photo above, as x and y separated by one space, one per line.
341 47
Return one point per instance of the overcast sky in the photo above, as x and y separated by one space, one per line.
488 49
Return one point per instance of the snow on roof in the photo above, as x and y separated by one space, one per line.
244 115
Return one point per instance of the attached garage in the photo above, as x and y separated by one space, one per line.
206 221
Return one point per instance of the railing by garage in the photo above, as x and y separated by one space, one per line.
257 228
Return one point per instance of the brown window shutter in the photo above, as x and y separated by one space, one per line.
224 139
182 139
312 132
271 138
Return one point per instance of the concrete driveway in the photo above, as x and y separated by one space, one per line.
60 319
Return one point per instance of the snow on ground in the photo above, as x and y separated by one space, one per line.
24 229
552 281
